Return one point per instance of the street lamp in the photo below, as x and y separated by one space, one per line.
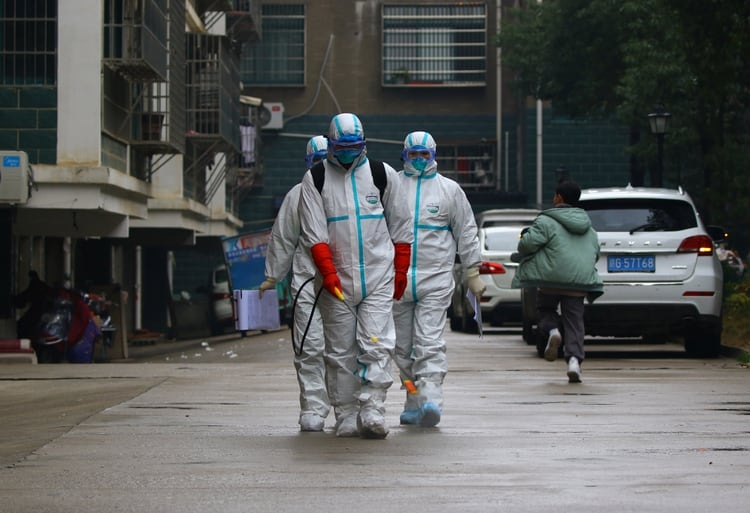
659 121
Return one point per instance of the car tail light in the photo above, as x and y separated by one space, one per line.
491 268
701 244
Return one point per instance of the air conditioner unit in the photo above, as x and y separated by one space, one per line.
14 177
271 116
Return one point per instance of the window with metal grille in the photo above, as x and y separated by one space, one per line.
442 45
279 59
28 42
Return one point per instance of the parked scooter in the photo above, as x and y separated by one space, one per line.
66 331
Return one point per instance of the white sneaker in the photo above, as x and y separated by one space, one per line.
574 370
553 345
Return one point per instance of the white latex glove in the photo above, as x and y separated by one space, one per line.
475 283
268 283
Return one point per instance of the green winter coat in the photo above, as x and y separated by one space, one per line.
559 251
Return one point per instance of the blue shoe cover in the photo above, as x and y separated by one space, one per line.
410 417
429 415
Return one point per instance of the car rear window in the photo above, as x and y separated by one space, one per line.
502 240
488 223
629 215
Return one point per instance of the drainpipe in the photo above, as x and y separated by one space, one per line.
539 149
499 102
137 291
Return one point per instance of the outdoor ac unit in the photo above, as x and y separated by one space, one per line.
14 177
272 116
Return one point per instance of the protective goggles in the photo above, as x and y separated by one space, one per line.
416 152
346 143
314 158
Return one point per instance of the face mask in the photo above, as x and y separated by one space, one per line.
347 156
419 163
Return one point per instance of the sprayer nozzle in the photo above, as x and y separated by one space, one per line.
339 294
409 385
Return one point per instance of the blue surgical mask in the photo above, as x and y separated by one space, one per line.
420 164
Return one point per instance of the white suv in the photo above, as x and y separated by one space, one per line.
661 275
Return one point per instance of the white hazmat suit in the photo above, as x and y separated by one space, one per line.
285 252
443 224
356 239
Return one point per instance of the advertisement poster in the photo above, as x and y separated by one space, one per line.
245 256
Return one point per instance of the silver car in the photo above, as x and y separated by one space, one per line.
498 239
662 278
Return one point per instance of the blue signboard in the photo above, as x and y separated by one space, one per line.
245 256
11 161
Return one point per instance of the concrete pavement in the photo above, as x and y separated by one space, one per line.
654 432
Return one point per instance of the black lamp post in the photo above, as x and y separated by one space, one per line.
659 121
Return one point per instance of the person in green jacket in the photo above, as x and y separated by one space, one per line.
558 255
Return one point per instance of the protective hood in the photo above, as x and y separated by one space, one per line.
573 219
346 140
418 154
317 147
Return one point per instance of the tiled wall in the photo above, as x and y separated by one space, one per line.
28 122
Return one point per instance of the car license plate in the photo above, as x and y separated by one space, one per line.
631 263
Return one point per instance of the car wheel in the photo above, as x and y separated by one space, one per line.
469 324
455 323
703 340
541 344
528 333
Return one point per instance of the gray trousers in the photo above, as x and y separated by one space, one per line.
570 320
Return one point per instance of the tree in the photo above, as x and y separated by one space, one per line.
609 57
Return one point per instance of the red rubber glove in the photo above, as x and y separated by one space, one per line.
321 253
401 260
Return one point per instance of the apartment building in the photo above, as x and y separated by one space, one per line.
153 128
120 139
404 65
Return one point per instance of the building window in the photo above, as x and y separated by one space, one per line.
279 58
28 42
470 163
441 45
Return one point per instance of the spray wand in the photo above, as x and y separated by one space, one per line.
408 384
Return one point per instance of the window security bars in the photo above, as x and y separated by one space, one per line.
442 45
28 42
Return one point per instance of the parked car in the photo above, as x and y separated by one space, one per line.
661 274
500 303
222 304
506 217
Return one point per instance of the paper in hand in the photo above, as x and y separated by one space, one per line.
474 301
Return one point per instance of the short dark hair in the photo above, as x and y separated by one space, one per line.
569 191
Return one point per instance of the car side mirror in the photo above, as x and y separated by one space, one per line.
717 233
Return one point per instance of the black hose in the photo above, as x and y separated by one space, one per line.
298 352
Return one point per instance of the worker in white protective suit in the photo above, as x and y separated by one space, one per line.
360 242
443 224
285 252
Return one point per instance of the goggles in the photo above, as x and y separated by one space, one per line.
416 153
314 158
346 143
